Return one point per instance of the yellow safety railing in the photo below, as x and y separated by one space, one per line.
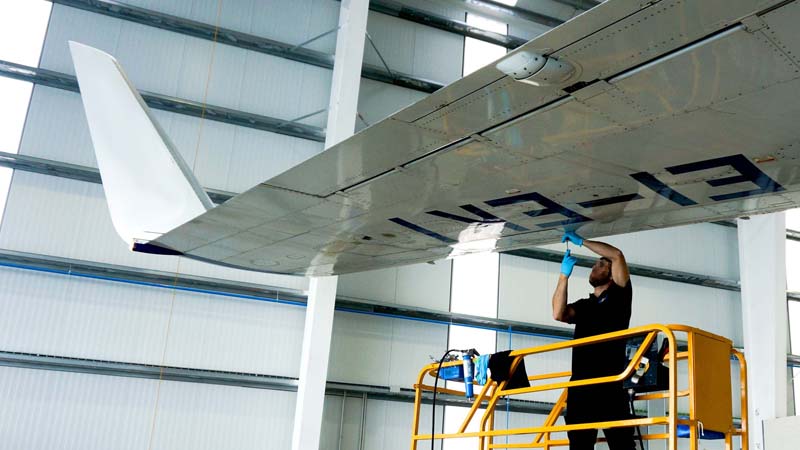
709 392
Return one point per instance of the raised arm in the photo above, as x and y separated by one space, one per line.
619 267
561 310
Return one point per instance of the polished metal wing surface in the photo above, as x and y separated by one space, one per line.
632 116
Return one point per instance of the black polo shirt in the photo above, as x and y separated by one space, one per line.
609 312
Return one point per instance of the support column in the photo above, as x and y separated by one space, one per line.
342 112
314 363
343 105
762 265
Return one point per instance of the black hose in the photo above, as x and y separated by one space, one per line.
638 430
433 403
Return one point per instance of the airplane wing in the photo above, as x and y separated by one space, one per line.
632 116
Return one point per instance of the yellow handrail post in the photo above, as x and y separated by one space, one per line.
673 390
553 416
417 405
743 393
475 405
491 427
488 425
497 393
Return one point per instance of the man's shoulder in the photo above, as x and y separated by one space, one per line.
626 287
620 293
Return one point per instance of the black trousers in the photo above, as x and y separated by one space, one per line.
599 403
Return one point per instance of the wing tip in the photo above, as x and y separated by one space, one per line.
80 50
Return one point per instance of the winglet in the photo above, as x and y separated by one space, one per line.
149 188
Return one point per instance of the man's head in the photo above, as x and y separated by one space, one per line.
601 272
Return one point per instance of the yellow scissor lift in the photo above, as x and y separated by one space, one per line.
708 357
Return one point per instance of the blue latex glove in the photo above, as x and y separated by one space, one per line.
572 237
567 264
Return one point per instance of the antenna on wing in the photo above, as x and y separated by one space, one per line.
538 70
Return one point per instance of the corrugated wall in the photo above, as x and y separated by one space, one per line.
382 351
419 285
46 410
53 314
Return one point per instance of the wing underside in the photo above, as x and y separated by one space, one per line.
677 112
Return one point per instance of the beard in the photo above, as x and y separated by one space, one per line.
599 280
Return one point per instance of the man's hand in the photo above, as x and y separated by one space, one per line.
567 264
572 237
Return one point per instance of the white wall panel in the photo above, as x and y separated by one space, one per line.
377 101
56 128
288 21
388 425
294 22
67 218
420 285
710 309
425 285
207 148
452 9
72 24
173 64
527 31
507 420
705 248
152 57
258 155
331 416
382 351
438 55
539 364
395 39
375 285
286 89
416 49
61 315
180 8
526 289
195 56
46 410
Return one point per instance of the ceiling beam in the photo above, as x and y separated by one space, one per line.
63 81
444 23
76 172
499 9
584 5
245 380
251 291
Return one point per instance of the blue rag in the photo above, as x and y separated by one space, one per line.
481 369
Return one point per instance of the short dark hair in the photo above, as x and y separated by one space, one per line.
603 258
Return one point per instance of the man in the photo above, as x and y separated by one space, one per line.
607 309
